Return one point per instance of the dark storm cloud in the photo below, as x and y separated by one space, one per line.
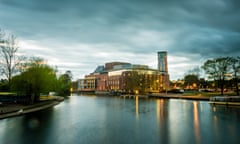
189 28
209 42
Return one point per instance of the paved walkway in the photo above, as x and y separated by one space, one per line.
180 96
10 110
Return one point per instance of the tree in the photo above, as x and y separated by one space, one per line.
191 79
235 63
65 82
217 69
37 78
3 85
9 60
2 34
132 81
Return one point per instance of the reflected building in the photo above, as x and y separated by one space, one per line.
123 77
163 119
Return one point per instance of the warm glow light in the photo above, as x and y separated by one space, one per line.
137 111
136 92
196 121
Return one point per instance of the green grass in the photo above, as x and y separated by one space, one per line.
209 94
7 93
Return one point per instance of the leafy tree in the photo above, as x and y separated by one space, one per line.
37 78
218 69
4 85
132 81
191 79
65 83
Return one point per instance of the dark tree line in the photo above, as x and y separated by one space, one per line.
223 68
221 71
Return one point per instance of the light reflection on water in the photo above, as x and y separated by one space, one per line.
91 119
196 122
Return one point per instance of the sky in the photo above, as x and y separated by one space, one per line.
79 35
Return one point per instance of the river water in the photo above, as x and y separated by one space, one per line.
114 120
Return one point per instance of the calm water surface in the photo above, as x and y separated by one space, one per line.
111 120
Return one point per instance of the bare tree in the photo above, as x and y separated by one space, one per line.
1 36
235 63
2 43
218 69
9 59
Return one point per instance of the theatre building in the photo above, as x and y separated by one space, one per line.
122 77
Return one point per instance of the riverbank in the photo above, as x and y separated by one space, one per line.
179 96
225 100
11 110
168 96
235 104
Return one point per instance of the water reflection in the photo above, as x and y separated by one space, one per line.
196 122
87 119
226 117
137 110
162 119
37 127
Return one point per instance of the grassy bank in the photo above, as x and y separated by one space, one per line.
7 93
209 94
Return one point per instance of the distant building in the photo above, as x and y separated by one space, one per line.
88 84
125 77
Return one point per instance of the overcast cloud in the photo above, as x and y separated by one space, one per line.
79 35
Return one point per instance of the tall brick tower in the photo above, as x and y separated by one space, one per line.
163 69
162 62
